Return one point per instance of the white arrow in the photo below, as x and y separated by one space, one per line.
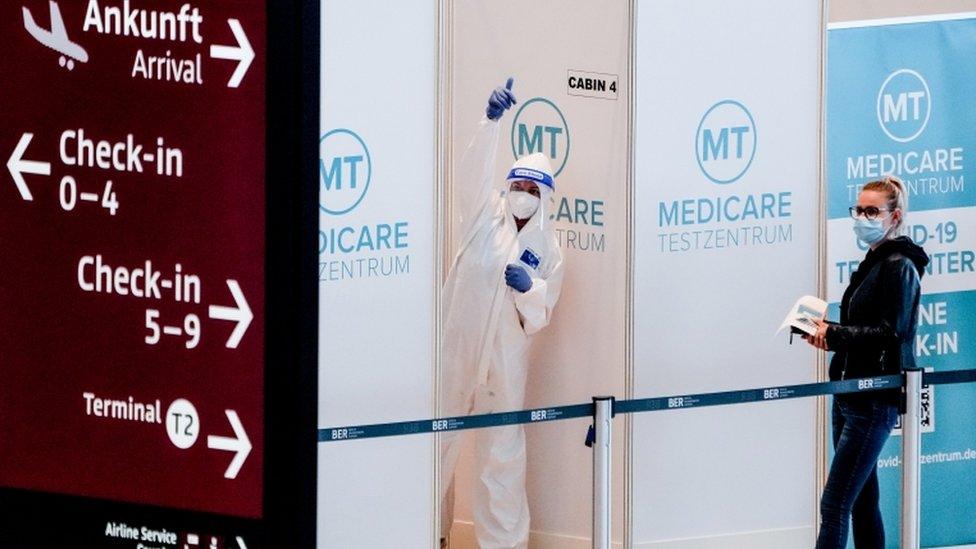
18 166
243 53
241 314
239 444
240 541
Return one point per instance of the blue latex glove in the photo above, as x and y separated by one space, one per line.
517 278
500 100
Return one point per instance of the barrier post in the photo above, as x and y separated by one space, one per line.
911 431
603 426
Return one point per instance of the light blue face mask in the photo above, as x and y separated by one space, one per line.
869 231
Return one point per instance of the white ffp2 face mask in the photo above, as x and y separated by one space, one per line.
522 204
870 231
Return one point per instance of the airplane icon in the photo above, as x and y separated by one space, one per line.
56 38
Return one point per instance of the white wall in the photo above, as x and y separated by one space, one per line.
737 476
854 10
583 352
376 332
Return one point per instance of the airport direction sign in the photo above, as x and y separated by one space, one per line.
132 215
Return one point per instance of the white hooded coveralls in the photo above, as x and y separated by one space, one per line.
487 330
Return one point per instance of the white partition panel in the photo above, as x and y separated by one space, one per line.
377 278
726 215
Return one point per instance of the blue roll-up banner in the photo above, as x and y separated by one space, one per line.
900 101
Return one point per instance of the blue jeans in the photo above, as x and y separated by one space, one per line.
861 428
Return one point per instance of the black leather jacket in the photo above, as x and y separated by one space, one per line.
878 315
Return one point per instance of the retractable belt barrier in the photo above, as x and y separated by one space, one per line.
480 421
459 423
955 376
602 409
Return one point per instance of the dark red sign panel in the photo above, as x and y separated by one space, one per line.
132 223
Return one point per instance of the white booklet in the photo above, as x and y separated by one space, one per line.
804 314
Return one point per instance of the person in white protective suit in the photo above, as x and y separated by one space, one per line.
501 289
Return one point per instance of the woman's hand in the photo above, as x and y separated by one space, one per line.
818 340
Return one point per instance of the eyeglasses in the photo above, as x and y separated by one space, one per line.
868 212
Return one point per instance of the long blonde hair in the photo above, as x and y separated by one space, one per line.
894 189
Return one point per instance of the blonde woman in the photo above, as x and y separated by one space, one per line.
875 337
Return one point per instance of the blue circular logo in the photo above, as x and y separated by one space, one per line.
345 171
904 105
539 126
725 143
